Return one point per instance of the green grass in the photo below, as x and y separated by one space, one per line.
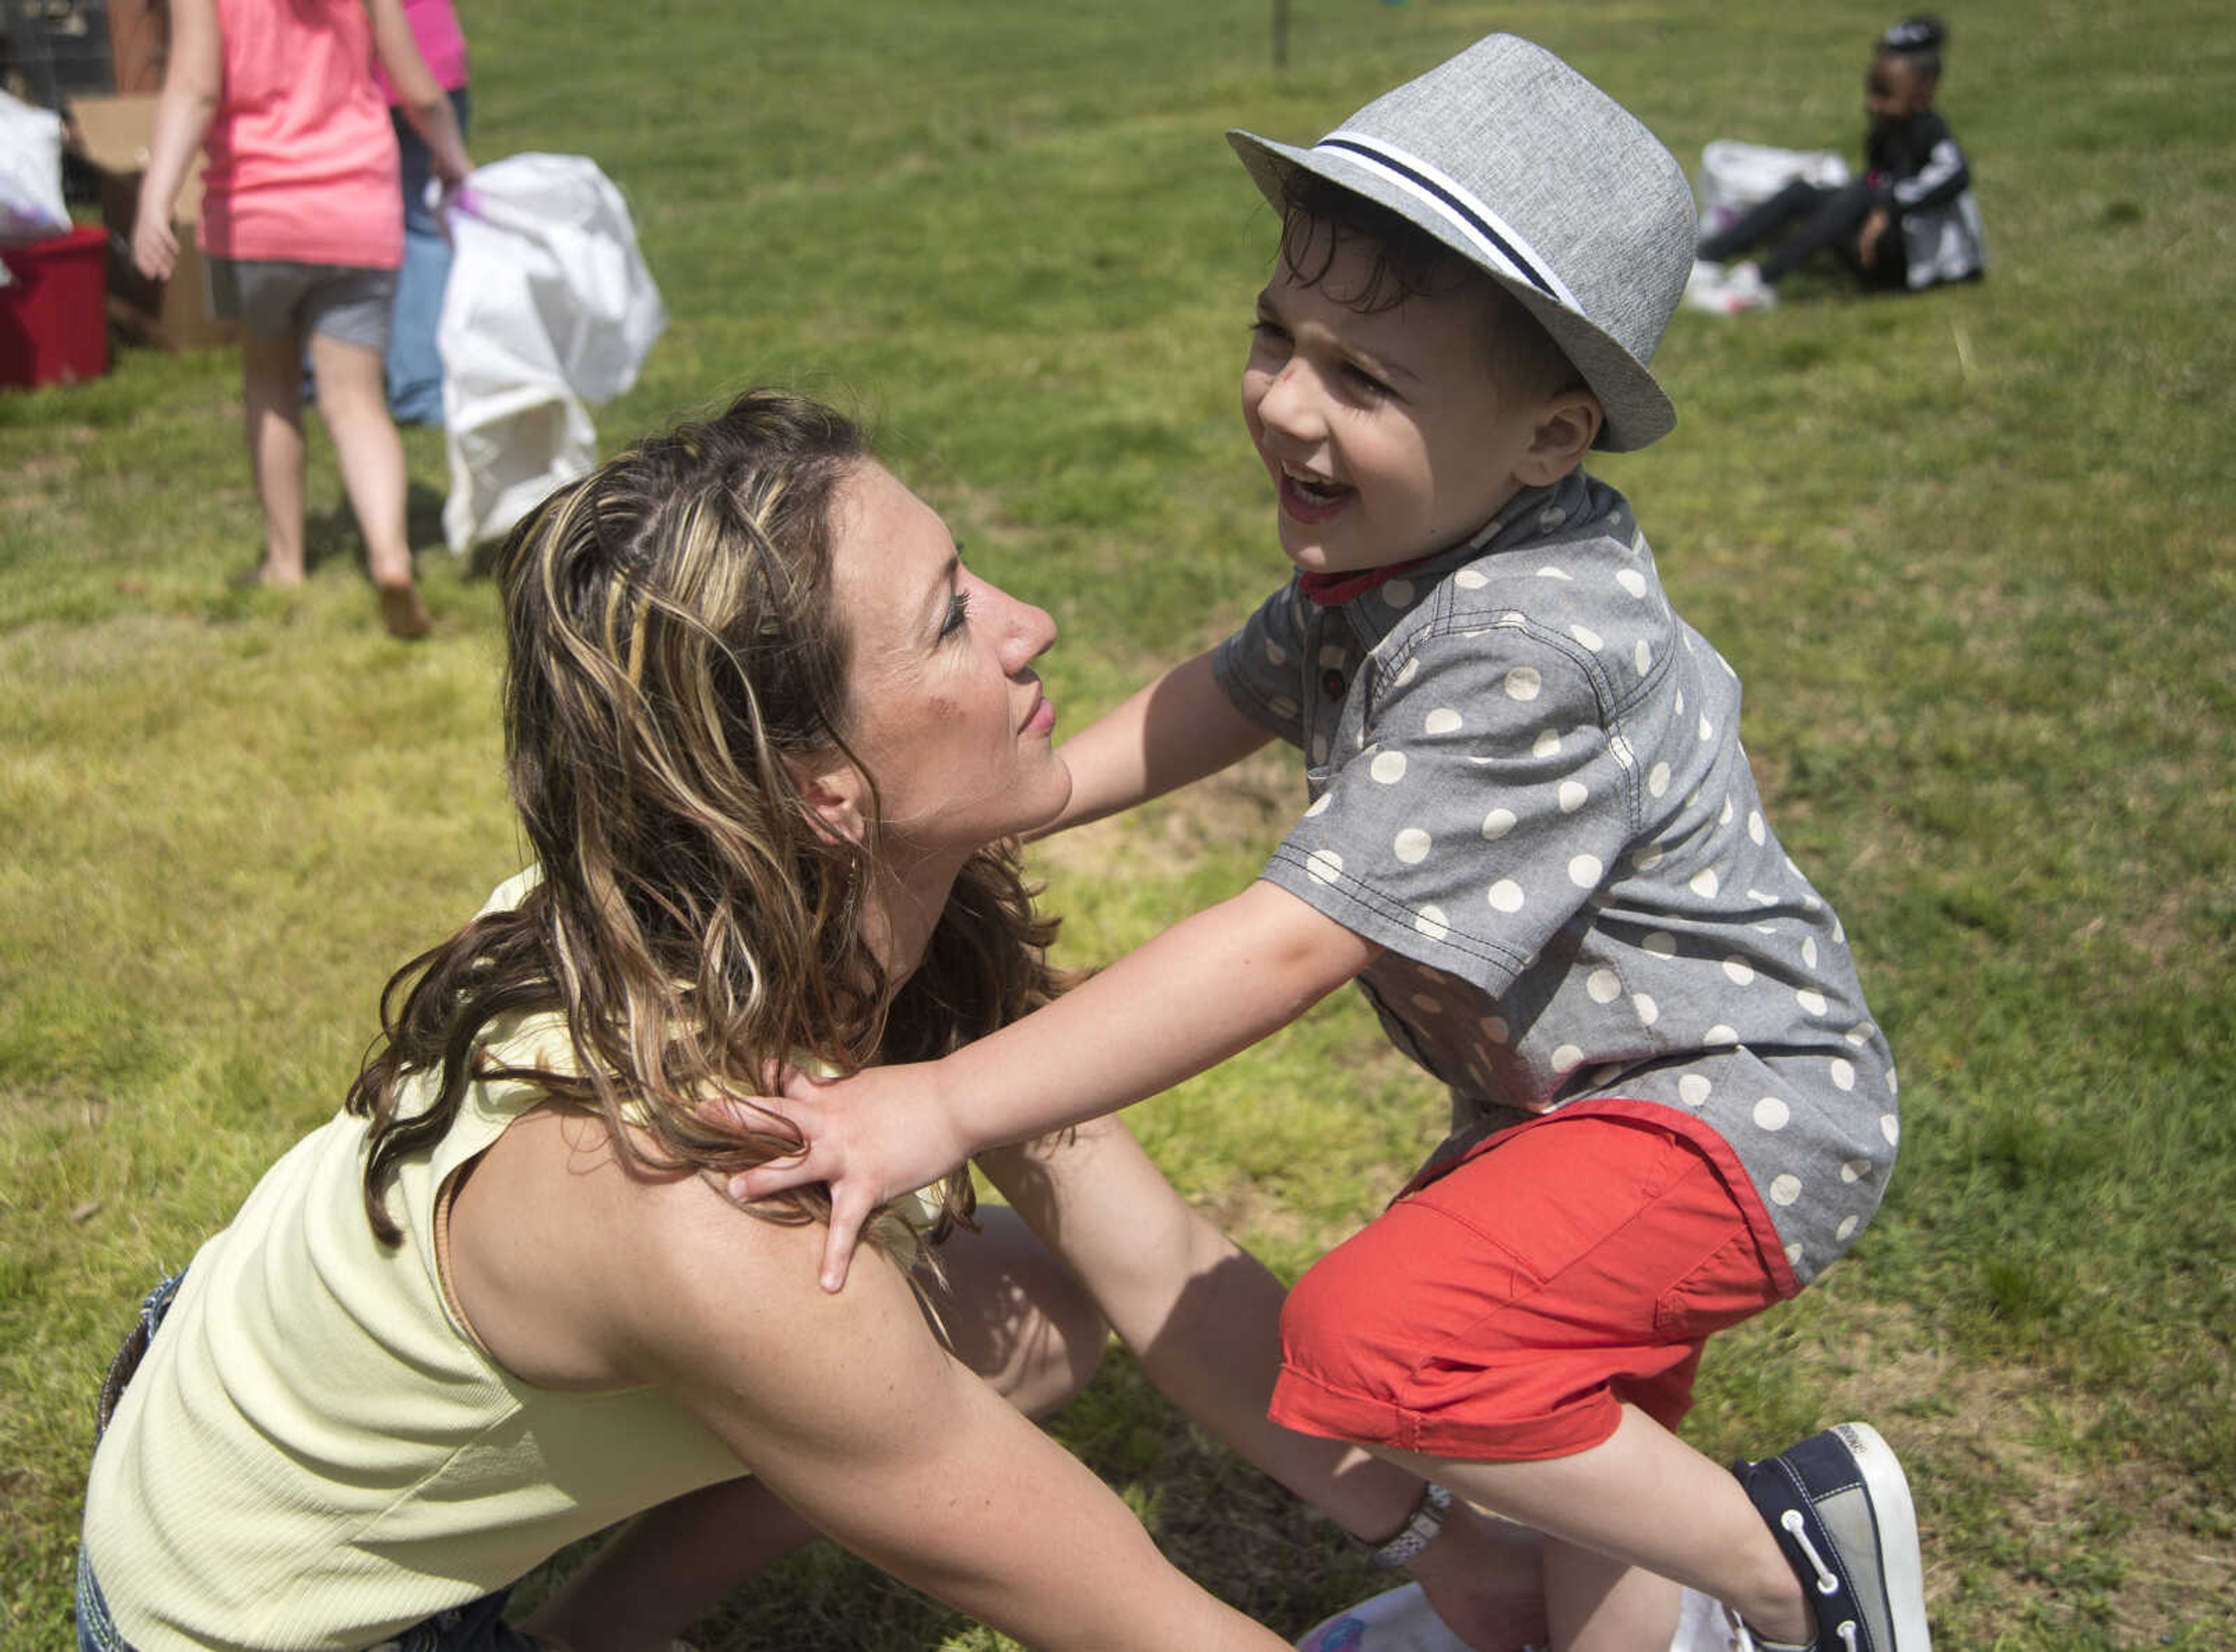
1968 550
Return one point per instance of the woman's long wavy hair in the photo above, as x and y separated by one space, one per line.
673 640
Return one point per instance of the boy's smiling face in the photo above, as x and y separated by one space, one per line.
1386 432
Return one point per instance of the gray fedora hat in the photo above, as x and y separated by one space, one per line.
1531 172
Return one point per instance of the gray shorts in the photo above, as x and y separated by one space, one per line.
276 297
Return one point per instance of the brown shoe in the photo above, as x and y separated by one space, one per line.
403 613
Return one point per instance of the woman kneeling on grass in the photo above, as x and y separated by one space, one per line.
499 1302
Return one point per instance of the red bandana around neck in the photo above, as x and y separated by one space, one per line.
1332 590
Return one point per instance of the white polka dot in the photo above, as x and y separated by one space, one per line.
1398 593
1319 749
1523 683
1648 1011
1428 1005
1844 1074
1469 580
1282 706
1567 1058
1738 970
1388 767
1410 670
1661 943
1704 883
1551 517
1643 657
1443 720
1855 1169
1506 895
1497 823
1793 1255
1632 581
1323 865
1494 1027
1755 827
1657 779
1692 1090
1680 702
1708 731
1762 897
1859 1035
1810 1000
1410 845
1619 749
1604 985
1647 858
1720 1034
1772 1114
1784 1190
1319 805
1890 1128
1809 950
1584 871
1430 920
1893 1088
1548 744
1550 572
1589 637
1573 796
1276 654
1846 1230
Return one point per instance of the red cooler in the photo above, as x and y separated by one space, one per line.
54 311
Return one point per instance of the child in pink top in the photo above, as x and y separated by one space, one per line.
303 231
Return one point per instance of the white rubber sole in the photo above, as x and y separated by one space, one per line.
1902 1563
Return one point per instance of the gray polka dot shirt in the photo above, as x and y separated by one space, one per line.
1527 784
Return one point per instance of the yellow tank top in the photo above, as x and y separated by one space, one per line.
316 1454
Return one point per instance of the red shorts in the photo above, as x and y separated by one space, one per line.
1506 1310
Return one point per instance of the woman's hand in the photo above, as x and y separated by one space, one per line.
882 1133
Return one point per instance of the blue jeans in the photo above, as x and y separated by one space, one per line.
478 1626
414 367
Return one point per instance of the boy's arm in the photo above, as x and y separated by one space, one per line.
1211 985
1177 729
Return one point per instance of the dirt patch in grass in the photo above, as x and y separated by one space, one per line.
2000 1459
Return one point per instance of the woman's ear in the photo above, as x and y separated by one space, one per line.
1567 424
835 793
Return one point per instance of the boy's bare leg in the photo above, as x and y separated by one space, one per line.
272 420
1645 1497
1009 1309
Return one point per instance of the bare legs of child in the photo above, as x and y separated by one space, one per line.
353 400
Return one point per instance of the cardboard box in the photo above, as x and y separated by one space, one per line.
112 134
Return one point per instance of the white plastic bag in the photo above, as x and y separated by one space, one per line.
1401 1619
30 171
1734 176
550 307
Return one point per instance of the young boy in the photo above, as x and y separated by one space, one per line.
1535 843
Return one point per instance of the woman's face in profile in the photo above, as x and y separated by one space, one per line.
944 708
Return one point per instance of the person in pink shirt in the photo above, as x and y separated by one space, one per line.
302 230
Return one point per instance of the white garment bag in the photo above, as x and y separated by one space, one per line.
550 310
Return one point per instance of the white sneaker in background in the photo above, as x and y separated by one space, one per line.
1745 289
1704 287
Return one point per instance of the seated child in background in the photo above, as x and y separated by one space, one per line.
1535 842
1910 221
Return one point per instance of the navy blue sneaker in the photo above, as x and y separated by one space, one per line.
1841 1510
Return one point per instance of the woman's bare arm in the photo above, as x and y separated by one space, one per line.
845 1405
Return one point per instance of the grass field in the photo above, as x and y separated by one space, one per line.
1968 550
